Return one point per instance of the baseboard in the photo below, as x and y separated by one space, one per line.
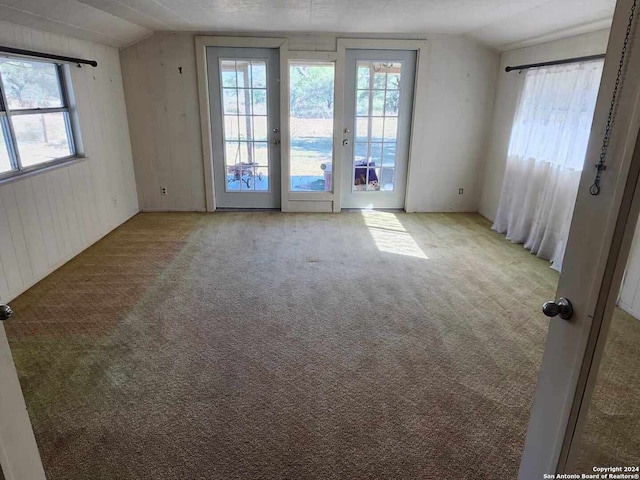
629 310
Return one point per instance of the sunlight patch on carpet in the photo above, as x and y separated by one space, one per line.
390 236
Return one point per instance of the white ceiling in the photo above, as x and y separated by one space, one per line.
502 24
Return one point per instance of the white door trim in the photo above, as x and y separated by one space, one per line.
201 44
19 455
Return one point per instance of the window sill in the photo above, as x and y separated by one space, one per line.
9 177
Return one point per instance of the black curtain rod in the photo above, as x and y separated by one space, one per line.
30 53
555 62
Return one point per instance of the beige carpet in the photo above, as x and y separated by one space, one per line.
612 432
288 346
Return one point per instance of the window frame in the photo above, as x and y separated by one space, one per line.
71 122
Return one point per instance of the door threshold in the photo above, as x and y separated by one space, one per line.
391 210
241 209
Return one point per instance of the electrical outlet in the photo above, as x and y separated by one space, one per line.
163 190
460 191
114 201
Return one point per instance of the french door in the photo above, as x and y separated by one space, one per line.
378 103
245 110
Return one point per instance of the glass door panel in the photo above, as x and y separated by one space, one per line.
311 111
245 127
378 97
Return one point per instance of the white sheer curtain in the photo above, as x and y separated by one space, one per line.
546 156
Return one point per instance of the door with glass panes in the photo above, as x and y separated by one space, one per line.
379 88
245 111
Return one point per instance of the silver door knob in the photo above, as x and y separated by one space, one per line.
562 308
5 312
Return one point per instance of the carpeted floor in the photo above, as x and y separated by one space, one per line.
610 435
285 346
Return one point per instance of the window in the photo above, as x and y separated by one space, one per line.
35 119
377 106
546 156
554 117
244 104
311 125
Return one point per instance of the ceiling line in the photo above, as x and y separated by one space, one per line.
172 11
73 25
526 8
154 19
558 35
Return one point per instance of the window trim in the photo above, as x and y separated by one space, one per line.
72 124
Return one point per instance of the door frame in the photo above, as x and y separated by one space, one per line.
418 122
241 198
349 153
19 454
292 199
201 44
596 258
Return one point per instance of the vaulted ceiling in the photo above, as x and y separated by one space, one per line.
501 24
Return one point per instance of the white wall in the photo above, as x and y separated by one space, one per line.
460 93
163 111
506 102
164 120
48 218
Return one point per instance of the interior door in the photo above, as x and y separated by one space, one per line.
19 455
245 110
597 249
379 88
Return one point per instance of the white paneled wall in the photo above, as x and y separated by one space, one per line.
163 109
164 115
47 218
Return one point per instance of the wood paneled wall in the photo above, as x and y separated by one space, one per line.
47 218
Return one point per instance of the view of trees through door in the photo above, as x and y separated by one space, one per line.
311 110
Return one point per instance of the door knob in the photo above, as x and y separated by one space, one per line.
562 307
5 312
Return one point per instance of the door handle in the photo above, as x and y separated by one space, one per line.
562 308
5 312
